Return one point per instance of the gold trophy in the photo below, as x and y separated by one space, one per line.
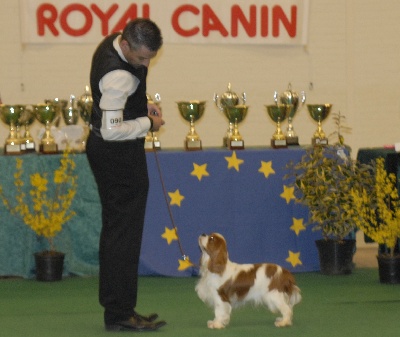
27 118
11 114
228 98
151 141
278 113
192 111
291 97
85 104
70 111
319 112
236 114
45 114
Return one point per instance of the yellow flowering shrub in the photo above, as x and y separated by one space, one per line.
46 207
379 208
322 181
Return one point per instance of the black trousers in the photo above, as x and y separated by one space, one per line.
120 171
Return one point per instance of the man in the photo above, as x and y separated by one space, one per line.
120 120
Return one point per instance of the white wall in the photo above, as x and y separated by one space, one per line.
351 61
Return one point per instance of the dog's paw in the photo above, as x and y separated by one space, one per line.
280 322
215 325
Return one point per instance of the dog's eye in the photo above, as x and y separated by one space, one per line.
211 238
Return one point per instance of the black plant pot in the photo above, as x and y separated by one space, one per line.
336 257
389 269
49 266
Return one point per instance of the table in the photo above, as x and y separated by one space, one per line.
240 194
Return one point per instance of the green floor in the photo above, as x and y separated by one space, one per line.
352 305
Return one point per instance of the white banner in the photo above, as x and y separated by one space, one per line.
211 21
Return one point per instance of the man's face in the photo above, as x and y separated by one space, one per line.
137 57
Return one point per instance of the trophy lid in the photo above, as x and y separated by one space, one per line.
86 97
229 98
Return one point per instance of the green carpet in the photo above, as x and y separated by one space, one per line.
351 305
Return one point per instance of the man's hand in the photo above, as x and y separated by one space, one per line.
154 112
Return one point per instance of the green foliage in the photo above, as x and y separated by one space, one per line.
323 181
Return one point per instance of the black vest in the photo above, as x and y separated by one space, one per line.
106 59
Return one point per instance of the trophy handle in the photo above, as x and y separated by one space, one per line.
303 98
215 99
276 97
244 98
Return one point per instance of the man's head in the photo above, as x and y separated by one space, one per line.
140 41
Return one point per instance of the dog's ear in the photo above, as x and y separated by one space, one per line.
218 258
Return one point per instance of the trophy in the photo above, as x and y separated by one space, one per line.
27 118
235 115
228 98
151 141
70 111
45 114
59 105
319 112
85 104
11 114
192 111
291 97
278 113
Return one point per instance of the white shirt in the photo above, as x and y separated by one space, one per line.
115 87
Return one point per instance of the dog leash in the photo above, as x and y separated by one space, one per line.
184 256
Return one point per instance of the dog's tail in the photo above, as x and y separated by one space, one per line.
295 296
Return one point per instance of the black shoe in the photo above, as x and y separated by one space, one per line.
149 318
134 324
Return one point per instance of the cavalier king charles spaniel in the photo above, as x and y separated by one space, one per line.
224 284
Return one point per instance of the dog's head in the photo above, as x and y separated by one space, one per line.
214 252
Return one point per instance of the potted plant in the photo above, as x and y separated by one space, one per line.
323 180
379 208
45 208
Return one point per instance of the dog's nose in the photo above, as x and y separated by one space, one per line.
204 234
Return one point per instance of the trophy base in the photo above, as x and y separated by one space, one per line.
236 144
292 141
151 146
193 145
12 149
48 148
319 141
278 143
30 147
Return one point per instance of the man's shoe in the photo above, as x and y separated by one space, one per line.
135 324
149 318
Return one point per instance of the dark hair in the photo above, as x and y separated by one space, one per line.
143 32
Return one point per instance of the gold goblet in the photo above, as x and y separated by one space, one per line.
318 113
235 115
278 113
291 97
151 141
27 118
85 104
45 114
11 114
192 111
228 99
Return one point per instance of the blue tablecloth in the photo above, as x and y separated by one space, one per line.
240 194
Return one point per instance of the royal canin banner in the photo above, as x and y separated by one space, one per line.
213 21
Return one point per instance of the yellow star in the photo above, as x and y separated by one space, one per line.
266 168
297 226
233 161
170 235
288 193
184 264
199 171
176 198
294 259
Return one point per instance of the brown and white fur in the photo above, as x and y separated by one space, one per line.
224 284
